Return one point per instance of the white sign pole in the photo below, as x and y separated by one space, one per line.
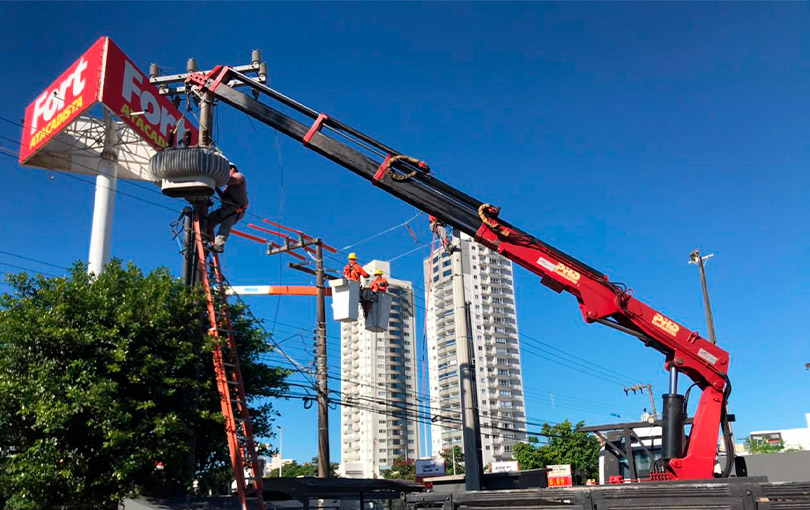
104 207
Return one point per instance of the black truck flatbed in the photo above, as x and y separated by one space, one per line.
726 494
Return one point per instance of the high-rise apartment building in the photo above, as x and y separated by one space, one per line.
489 287
379 380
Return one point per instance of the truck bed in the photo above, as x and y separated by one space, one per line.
727 494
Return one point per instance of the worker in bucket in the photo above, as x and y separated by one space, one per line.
369 296
380 284
234 203
353 270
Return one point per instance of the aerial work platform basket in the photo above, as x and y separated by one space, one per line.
380 309
346 304
345 299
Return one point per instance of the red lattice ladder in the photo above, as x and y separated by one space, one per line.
244 459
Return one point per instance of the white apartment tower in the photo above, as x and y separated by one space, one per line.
489 287
379 379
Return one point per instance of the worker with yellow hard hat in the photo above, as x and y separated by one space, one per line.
353 270
380 284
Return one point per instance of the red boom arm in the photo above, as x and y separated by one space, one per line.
599 299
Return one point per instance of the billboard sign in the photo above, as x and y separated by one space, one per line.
102 74
507 466
429 467
76 90
559 475
127 92
767 437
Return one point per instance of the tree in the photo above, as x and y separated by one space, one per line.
296 470
756 446
566 444
401 470
453 460
107 389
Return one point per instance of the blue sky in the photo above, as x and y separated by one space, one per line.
624 134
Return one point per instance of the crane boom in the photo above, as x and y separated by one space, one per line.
600 300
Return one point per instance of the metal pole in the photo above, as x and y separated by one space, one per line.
323 390
465 373
280 450
695 258
104 206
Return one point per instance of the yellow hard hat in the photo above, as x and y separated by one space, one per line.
352 256
378 272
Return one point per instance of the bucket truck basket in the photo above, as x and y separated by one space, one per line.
345 299
380 309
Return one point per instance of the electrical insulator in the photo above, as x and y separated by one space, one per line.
263 72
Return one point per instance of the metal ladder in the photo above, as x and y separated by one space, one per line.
244 459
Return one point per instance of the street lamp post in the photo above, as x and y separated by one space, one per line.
695 258
280 449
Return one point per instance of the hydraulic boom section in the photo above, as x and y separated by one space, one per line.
600 300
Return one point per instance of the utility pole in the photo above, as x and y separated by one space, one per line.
471 431
321 374
323 390
695 258
641 387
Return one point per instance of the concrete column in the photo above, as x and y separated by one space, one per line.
471 433
104 207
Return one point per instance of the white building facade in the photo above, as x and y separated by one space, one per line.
379 379
489 287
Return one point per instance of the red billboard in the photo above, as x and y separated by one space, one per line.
130 96
76 90
103 74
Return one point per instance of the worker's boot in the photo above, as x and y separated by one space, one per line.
219 244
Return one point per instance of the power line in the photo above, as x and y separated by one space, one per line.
33 260
86 181
21 268
82 165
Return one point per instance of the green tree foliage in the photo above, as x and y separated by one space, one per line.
296 470
758 446
453 456
107 389
401 469
566 445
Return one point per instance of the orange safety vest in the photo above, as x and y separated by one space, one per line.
353 271
379 285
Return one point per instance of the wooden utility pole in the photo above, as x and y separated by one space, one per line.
323 389
321 366
641 387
